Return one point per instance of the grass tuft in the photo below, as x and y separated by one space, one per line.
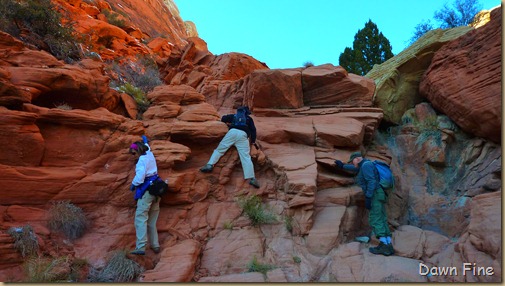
119 268
254 210
46 270
25 240
67 218
255 266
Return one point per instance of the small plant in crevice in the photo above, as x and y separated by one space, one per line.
25 240
46 269
254 210
119 268
113 18
255 266
67 218
135 78
228 225
428 129
138 95
297 259
63 106
288 222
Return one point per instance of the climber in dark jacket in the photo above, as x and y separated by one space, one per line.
367 178
238 135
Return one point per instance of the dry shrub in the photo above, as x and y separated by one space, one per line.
67 218
25 240
119 268
46 270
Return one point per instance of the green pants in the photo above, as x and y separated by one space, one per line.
148 210
377 217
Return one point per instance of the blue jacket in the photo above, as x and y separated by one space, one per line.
141 189
250 129
367 178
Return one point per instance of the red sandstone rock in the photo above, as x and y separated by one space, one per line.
330 85
464 80
177 263
274 89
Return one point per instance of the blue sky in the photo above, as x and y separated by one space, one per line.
288 33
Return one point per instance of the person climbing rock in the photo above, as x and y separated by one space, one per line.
367 177
241 128
148 206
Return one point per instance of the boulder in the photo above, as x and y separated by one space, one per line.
397 80
331 85
279 88
177 263
464 80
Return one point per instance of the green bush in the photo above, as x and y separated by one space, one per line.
308 64
288 222
137 94
254 210
43 23
118 269
136 79
67 218
113 18
25 240
46 270
255 266
142 73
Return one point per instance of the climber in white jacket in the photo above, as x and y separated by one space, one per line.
148 206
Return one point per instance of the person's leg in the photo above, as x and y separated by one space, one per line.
224 145
377 216
378 222
141 216
244 151
154 212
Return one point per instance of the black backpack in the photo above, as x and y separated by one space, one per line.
158 187
240 118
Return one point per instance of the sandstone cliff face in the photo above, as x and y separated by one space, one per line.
306 118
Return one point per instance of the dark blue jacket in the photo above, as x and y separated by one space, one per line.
367 178
250 129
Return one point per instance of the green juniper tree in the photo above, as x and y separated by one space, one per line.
370 47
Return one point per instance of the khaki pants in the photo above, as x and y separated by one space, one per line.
148 210
239 139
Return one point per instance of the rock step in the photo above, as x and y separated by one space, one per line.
345 196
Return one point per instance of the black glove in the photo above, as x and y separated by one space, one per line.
256 146
132 187
339 164
368 203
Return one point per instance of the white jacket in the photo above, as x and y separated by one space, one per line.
146 167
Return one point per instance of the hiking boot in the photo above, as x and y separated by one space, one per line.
156 249
382 248
391 249
207 168
138 252
253 182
